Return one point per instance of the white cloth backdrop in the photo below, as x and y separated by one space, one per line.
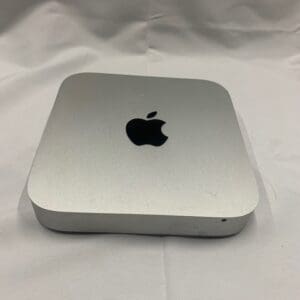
249 46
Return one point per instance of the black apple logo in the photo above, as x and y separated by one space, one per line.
146 132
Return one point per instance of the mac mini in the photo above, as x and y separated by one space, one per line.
143 155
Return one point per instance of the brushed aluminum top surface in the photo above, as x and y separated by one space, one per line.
86 163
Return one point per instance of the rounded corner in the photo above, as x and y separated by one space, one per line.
249 211
72 77
45 216
29 191
246 211
34 201
221 90
219 86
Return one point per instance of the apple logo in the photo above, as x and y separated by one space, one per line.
146 132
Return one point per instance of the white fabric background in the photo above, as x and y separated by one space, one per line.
249 46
